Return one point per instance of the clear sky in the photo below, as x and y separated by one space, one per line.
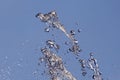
21 34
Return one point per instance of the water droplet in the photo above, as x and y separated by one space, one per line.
84 73
72 32
79 30
6 57
75 41
67 43
47 29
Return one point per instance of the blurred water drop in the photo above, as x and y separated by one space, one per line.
19 62
75 41
5 73
19 65
35 72
79 30
67 43
47 29
50 43
72 32
84 73
6 57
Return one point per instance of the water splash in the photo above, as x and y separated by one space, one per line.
54 63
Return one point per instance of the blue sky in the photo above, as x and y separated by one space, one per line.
21 34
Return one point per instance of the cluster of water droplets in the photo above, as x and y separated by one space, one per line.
53 63
5 70
92 65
